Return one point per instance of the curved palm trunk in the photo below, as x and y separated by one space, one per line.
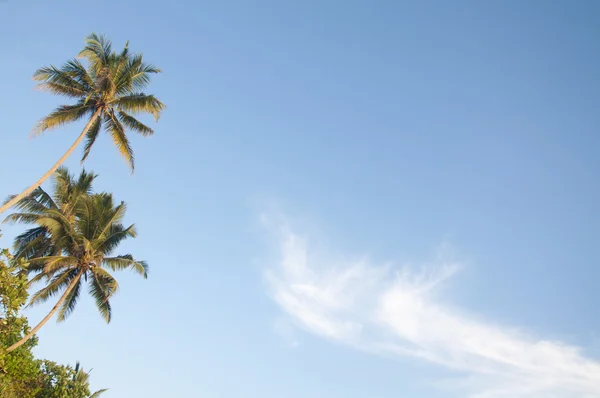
39 182
47 318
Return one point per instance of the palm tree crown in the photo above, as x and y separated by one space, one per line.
82 380
108 92
75 235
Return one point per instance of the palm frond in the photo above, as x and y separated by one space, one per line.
68 189
77 71
57 223
62 115
38 278
25 218
60 89
63 186
102 287
123 76
141 78
52 264
133 124
111 216
58 283
70 301
126 261
115 236
97 51
94 217
117 132
62 237
37 202
41 197
125 50
135 75
98 393
140 103
62 78
84 182
87 216
91 136
109 284
34 242
120 67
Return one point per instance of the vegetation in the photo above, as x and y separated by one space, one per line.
75 234
21 375
107 92
74 230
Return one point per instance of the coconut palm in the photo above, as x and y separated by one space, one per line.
108 92
75 235
68 192
82 379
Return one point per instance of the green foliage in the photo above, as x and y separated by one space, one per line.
21 375
13 293
109 91
76 232
60 381
13 325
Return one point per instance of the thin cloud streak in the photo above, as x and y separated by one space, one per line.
399 313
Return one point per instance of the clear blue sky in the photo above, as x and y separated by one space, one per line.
308 144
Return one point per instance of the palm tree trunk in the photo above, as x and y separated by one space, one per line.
39 182
47 318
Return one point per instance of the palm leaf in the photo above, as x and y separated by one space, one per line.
84 182
113 216
117 132
62 115
26 218
38 278
87 218
135 75
60 89
141 78
126 262
37 202
58 224
78 72
54 263
140 103
42 198
90 137
32 243
102 287
70 301
38 245
133 124
59 78
58 283
97 51
115 236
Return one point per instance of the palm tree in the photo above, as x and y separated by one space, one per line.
108 92
82 379
75 235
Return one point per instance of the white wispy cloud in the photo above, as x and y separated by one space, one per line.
391 312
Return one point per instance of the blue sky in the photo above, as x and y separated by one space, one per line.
343 199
